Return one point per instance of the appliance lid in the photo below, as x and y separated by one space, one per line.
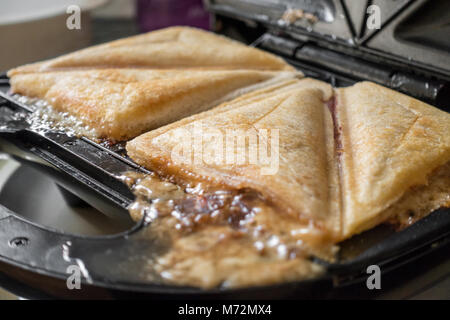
412 31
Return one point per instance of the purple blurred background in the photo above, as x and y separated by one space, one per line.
156 14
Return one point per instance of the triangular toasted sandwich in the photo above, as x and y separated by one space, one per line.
387 150
391 145
132 85
123 103
175 47
278 142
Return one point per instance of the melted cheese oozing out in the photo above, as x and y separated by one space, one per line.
228 238
235 238
422 200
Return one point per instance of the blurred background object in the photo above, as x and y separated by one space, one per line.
35 30
156 14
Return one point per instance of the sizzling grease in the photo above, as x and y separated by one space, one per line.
223 237
45 118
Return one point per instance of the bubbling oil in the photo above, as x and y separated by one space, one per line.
219 235
45 118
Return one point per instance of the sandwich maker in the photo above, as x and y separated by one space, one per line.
330 40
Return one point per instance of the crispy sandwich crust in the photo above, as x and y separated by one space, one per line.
174 47
129 86
306 182
122 103
386 146
390 143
